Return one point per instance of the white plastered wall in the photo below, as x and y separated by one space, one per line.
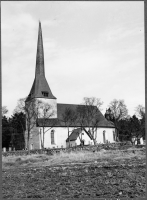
108 135
61 134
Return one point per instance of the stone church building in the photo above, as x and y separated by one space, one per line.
57 134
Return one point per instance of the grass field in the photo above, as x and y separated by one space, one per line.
76 174
72 157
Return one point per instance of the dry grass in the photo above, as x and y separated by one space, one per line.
72 157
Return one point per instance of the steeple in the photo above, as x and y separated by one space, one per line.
40 87
40 54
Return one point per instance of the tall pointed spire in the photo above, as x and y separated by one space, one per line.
40 87
40 54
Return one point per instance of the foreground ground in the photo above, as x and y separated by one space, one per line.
104 174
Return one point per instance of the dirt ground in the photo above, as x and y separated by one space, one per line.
72 181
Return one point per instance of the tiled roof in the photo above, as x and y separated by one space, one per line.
58 122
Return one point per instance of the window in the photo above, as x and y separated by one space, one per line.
114 136
32 146
52 137
45 94
104 138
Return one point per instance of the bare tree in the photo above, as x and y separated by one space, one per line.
81 113
31 111
20 106
119 111
88 115
69 118
45 112
4 110
93 101
140 111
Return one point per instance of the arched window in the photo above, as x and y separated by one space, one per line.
52 137
104 137
32 146
114 136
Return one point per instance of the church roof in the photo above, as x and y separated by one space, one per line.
58 122
40 87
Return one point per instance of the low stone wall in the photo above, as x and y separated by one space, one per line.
111 146
36 151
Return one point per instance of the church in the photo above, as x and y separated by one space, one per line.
58 136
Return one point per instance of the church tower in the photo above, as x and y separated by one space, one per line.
40 89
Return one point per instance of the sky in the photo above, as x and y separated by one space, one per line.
91 49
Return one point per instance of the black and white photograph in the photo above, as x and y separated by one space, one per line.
73 99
